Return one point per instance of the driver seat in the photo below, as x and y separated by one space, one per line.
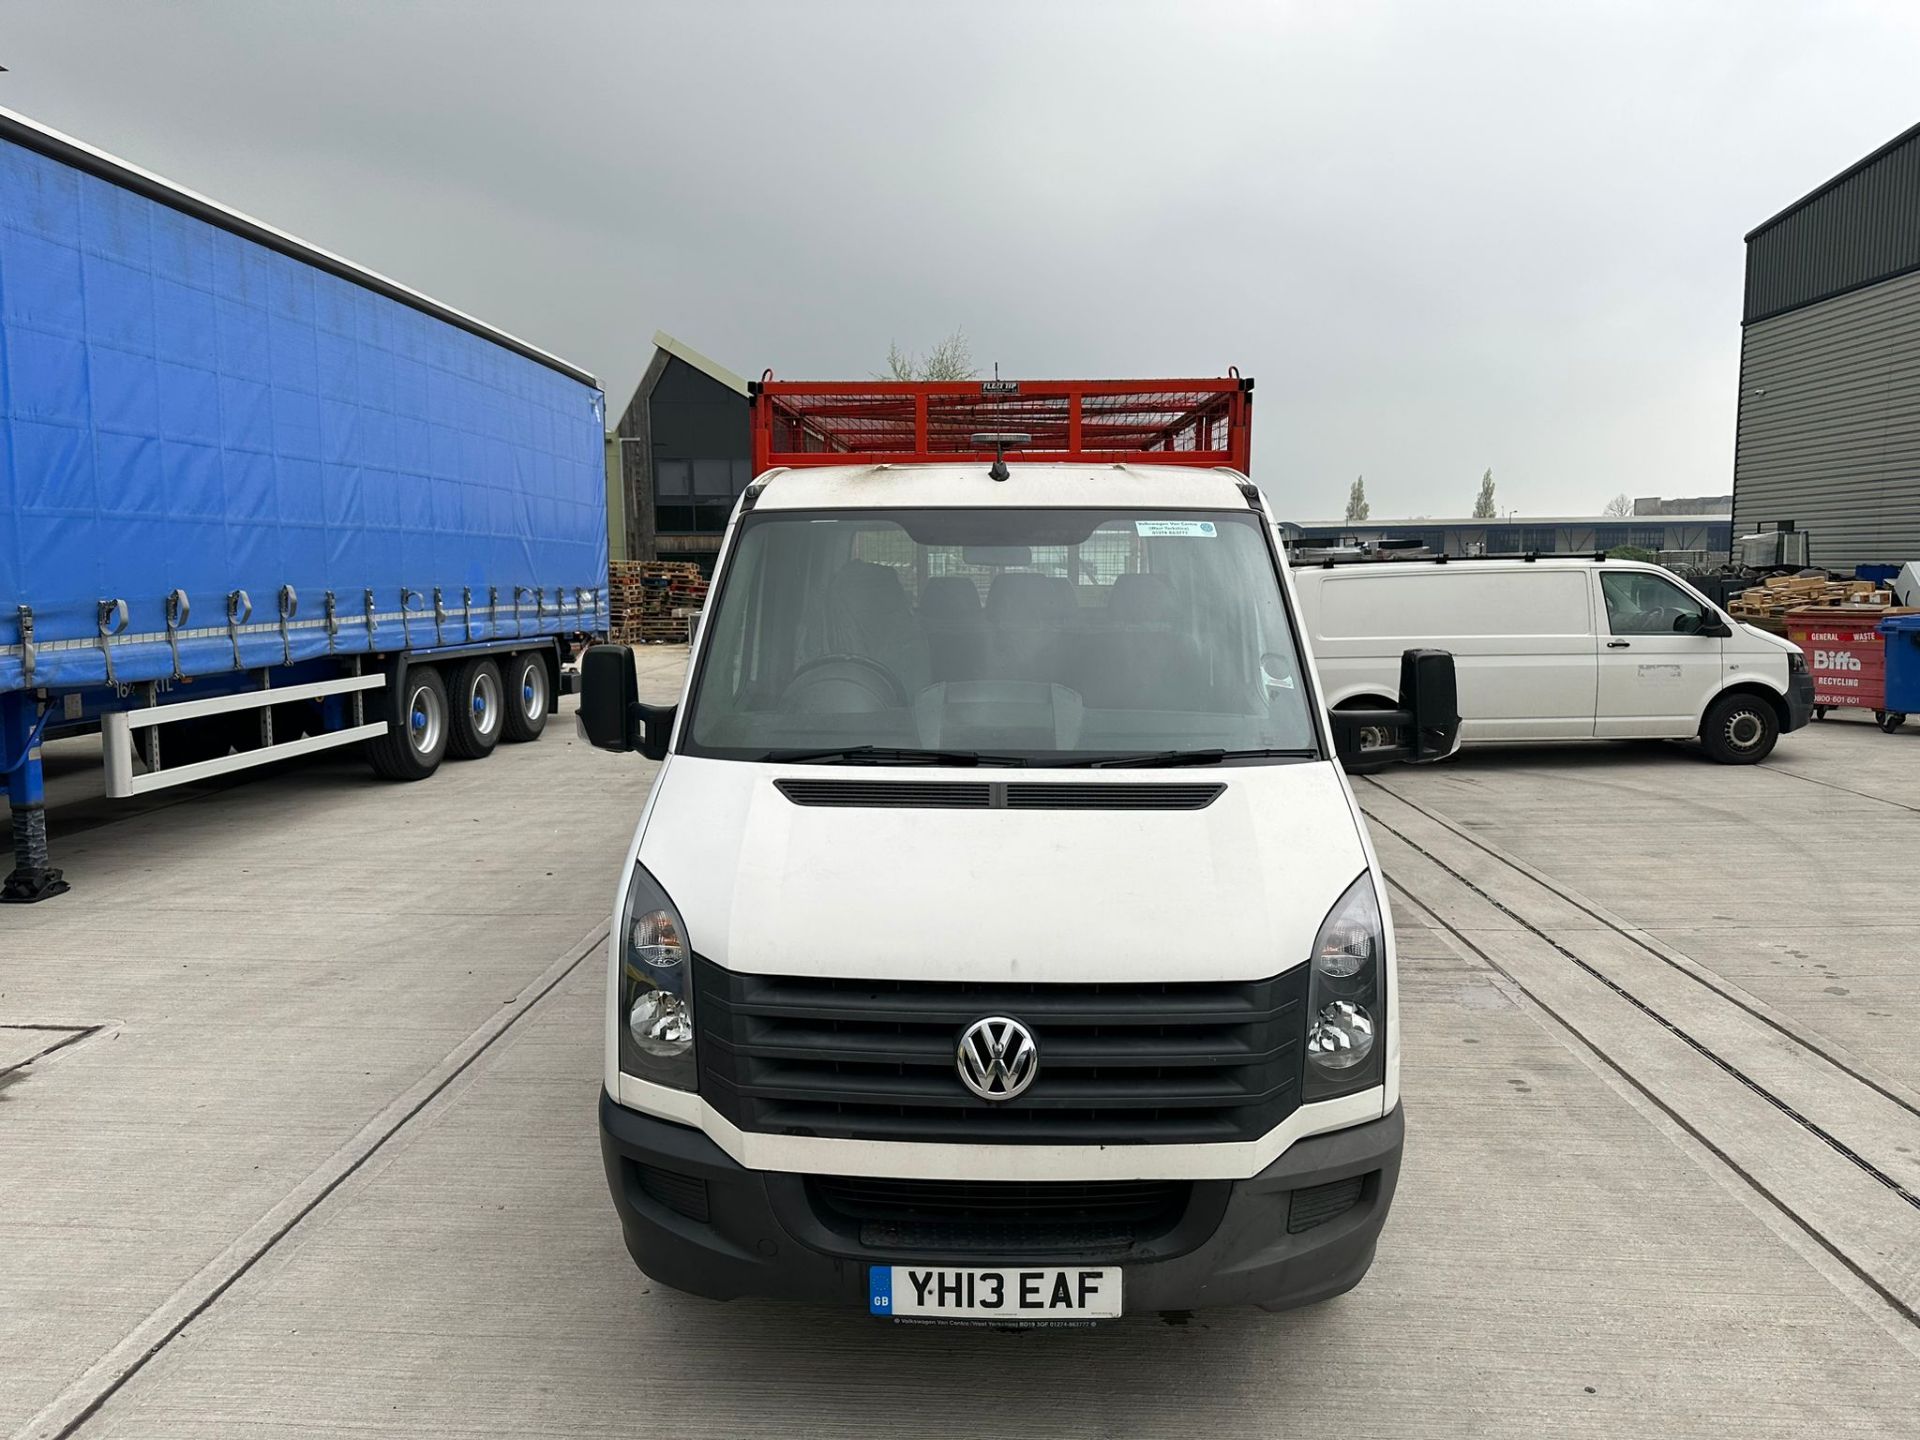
869 615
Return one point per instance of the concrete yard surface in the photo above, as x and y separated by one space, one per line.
316 1153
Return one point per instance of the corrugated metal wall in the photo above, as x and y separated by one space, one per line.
1861 227
1829 432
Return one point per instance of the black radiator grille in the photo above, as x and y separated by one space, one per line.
1118 1063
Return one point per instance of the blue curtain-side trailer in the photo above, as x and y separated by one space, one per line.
256 501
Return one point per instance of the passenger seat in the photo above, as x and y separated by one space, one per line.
956 628
1141 659
1029 615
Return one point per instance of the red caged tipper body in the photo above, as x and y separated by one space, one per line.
907 422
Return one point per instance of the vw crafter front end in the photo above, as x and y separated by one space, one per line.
1000 941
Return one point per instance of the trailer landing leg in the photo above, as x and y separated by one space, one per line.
32 878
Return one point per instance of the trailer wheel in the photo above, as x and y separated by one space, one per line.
475 708
416 742
529 697
1889 720
1739 729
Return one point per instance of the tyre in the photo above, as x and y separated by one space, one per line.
529 697
1889 720
1372 737
416 741
1739 729
475 710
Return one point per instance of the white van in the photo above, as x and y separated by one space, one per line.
1559 649
1000 941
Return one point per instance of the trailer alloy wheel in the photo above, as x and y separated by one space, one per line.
529 697
1739 729
476 711
416 741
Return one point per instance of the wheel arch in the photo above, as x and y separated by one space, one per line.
1773 697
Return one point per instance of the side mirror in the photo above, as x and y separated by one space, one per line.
1425 726
609 689
611 715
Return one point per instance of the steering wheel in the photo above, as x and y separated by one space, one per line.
869 674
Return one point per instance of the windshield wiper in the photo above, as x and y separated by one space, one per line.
1169 759
889 755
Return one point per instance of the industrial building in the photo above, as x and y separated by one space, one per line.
1654 526
1829 421
680 456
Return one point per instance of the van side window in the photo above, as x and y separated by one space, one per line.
1643 604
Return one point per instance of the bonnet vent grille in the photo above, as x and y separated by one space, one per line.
995 795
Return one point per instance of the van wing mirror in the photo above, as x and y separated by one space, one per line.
609 689
1705 621
611 715
1425 726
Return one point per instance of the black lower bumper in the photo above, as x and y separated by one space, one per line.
1799 701
696 1220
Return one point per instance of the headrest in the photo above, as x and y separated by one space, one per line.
949 597
1023 597
1141 600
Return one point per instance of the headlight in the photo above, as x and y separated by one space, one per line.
1346 997
656 995
1796 663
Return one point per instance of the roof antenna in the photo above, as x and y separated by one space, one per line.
1000 440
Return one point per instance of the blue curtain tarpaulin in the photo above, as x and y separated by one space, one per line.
183 409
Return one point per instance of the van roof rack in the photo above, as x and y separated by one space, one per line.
1200 423
1529 556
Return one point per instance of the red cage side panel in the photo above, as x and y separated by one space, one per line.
903 422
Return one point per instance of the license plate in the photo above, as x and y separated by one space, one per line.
1006 1295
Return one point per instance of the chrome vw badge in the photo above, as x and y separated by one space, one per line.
997 1058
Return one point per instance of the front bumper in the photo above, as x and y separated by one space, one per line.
698 1221
1799 700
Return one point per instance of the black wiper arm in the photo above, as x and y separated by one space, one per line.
889 755
1169 759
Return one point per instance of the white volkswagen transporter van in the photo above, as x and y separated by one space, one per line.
1000 941
1559 648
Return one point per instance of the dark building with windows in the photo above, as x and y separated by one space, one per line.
1829 430
684 455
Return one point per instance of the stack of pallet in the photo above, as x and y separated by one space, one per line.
1780 594
653 601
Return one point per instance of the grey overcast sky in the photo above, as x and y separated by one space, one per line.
1441 236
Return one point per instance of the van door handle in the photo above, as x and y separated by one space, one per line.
1619 644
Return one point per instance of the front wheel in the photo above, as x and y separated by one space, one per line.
1889 720
529 697
416 742
1739 729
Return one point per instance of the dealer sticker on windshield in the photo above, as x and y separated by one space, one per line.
1041 1295
1159 528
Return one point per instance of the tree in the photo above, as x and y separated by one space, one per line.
1483 507
1357 507
951 359
1618 506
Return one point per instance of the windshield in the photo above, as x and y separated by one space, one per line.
999 636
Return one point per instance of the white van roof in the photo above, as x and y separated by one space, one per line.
967 484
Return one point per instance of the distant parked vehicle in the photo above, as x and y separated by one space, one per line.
1559 649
